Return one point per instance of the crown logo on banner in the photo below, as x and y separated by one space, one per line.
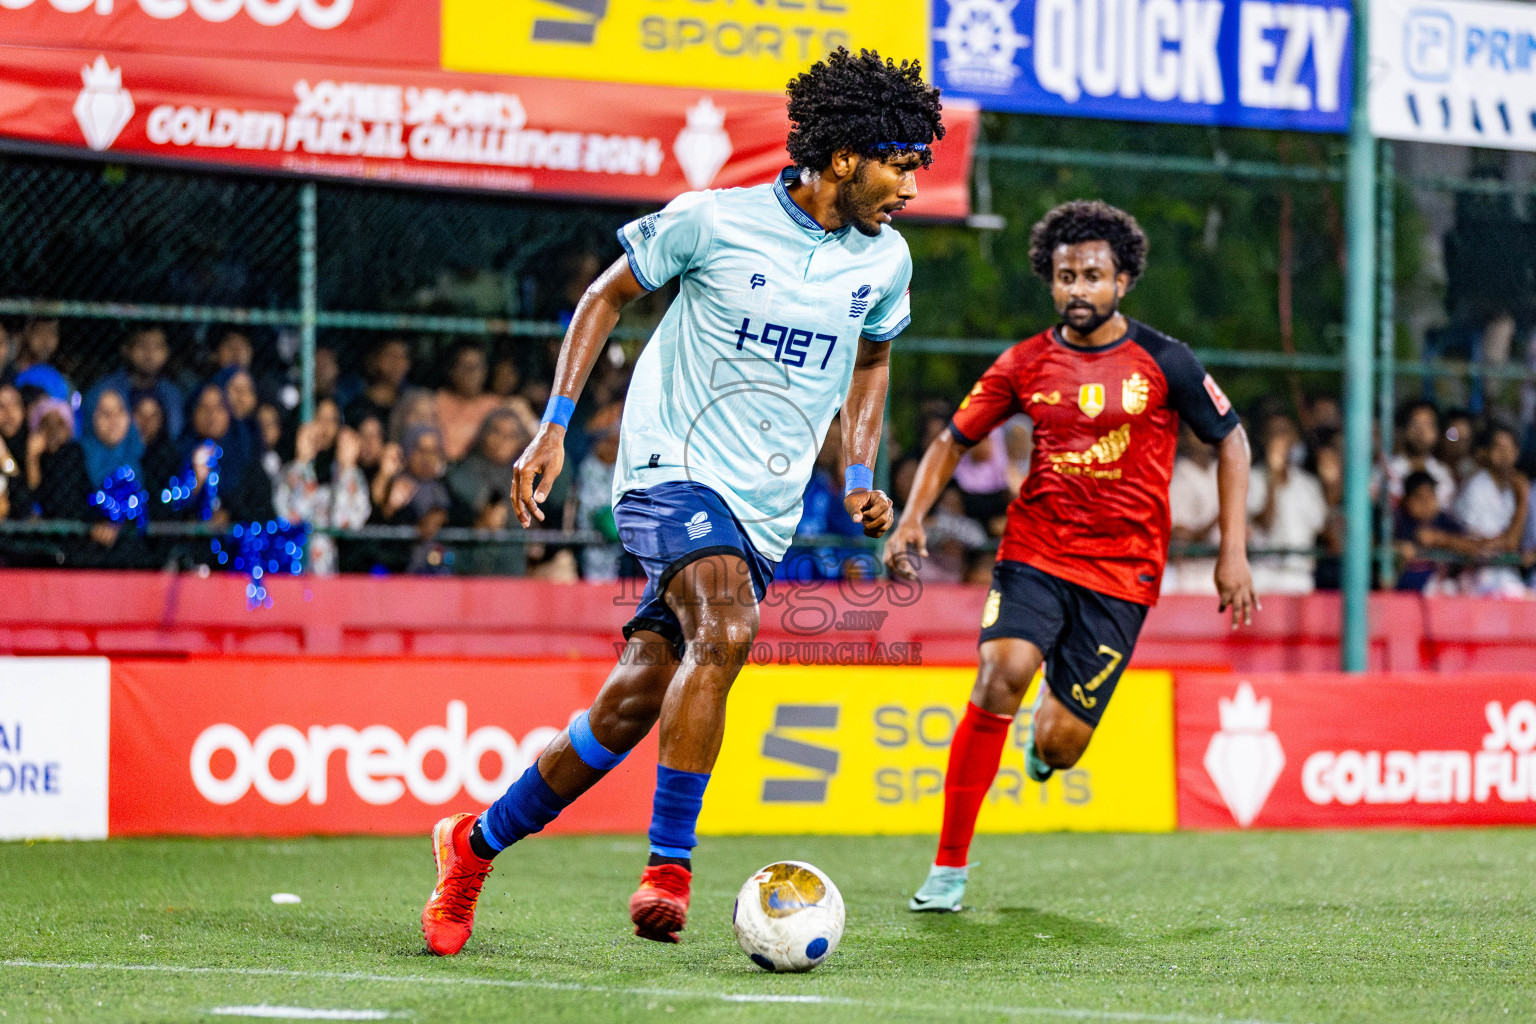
703 147
103 108
1245 758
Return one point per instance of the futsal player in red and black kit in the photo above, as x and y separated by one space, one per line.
1082 558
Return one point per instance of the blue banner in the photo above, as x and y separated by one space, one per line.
1249 63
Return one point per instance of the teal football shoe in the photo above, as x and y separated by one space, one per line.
943 890
1034 766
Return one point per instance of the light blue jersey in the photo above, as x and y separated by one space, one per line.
737 387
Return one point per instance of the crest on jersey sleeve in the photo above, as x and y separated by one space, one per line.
1090 399
1133 394
974 392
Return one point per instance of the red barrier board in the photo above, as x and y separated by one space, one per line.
234 746
1337 751
487 132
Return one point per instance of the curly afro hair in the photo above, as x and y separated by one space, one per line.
858 103
1088 220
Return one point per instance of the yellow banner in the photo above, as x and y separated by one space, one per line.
710 44
853 751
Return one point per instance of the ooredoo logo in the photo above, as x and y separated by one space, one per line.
381 765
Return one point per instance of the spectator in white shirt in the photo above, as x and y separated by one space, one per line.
1286 510
1492 507
1418 425
1193 505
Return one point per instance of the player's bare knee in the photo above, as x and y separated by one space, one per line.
723 635
1001 681
1061 739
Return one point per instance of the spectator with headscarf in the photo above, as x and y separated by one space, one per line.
416 496
160 452
417 407
113 441
242 492
239 394
56 472
322 486
480 486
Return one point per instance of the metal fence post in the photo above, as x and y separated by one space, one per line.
309 299
1360 334
1386 398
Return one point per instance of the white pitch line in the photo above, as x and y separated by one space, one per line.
299 1013
1129 1016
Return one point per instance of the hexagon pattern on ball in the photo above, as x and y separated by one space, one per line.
788 917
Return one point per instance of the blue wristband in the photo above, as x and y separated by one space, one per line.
559 411
858 477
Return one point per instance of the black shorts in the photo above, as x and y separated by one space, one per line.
1086 637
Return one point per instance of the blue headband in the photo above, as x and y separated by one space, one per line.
902 145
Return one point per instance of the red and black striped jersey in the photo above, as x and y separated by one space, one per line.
1094 508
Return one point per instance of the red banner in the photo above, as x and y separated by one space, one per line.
396 33
1337 751
228 746
486 132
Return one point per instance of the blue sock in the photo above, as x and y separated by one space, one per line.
525 808
679 798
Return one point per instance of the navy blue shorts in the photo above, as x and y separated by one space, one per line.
1086 637
670 525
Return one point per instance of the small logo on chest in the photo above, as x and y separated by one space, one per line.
860 303
1090 399
1133 394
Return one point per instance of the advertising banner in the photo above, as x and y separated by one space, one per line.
53 748
710 44
1249 63
1337 751
465 131
829 750
229 746
1454 71
393 33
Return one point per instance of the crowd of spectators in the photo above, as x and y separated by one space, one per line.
422 438
1451 485
425 436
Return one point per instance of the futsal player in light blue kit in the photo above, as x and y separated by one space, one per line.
789 296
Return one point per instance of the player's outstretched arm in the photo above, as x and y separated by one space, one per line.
1234 581
933 475
595 317
863 415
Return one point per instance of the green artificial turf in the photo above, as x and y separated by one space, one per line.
1283 927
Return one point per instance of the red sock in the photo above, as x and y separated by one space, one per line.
973 759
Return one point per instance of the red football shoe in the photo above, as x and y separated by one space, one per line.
659 907
449 916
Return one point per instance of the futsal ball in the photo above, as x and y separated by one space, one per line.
788 917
